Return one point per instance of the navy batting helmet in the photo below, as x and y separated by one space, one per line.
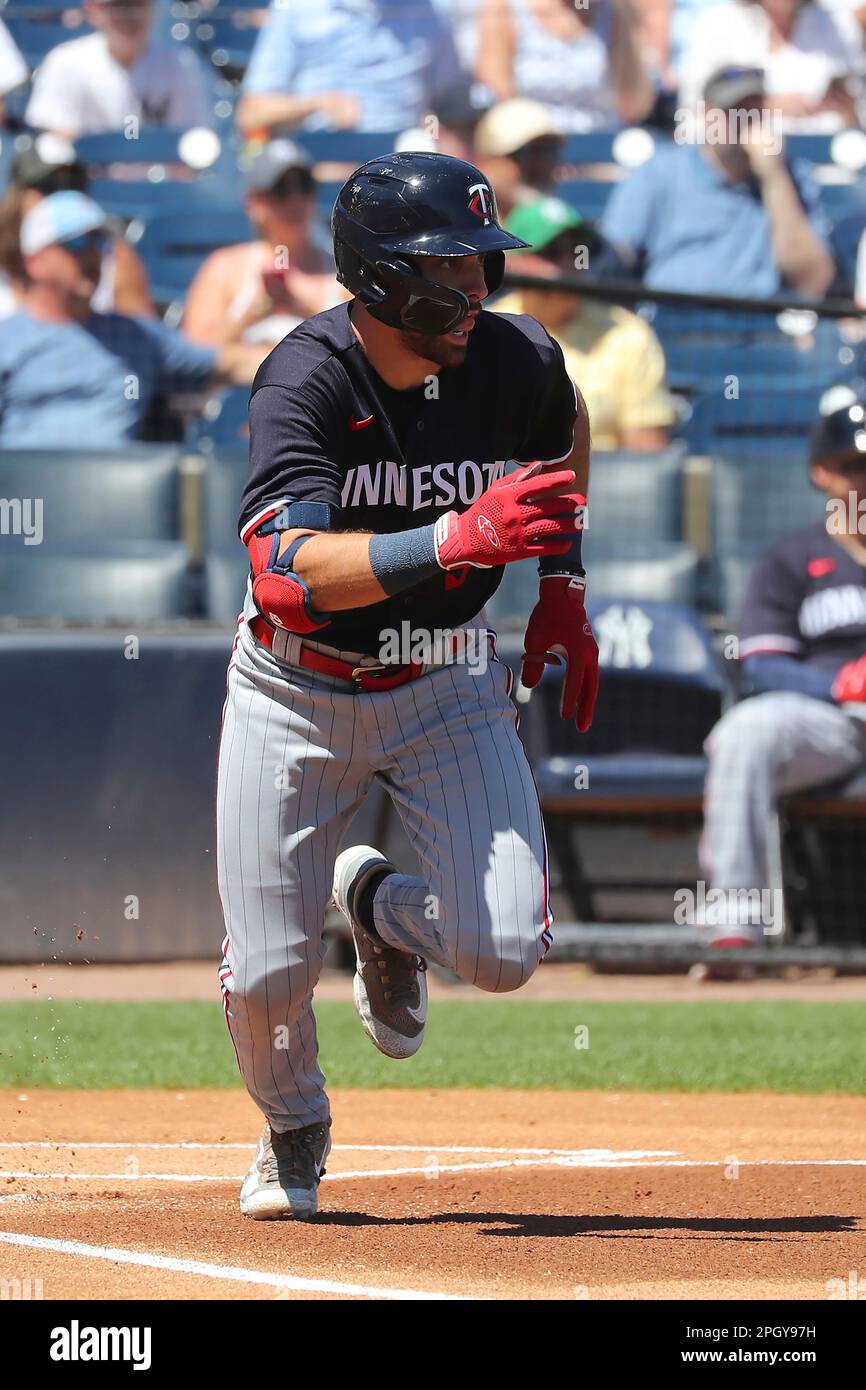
402 206
839 437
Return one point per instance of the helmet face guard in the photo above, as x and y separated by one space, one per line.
421 306
395 211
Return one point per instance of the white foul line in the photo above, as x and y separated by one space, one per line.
233 1273
431 1170
337 1148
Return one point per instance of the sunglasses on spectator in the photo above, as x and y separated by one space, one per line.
292 183
60 180
88 241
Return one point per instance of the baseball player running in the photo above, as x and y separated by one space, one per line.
379 514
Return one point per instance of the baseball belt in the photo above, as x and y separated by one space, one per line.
377 676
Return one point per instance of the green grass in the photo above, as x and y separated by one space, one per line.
682 1047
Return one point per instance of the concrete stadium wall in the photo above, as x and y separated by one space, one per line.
107 821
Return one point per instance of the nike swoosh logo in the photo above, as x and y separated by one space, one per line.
359 424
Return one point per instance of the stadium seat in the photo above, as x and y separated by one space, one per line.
588 196
136 581
841 200
326 196
666 572
225 579
730 576
814 148
224 423
756 500
820 833
637 491
152 145
770 415
638 568
693 323
195 201
225 473
347 146
89 496
700 367
845 237
662 691
173 247
40 31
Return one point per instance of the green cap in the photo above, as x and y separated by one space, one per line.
541 221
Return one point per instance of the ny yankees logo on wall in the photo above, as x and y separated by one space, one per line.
481 201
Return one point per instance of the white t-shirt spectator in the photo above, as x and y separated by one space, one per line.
80 89
13 69
739 35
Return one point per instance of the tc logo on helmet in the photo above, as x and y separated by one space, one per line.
481 201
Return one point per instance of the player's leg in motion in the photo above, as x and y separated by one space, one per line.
288 781
772 744
455 766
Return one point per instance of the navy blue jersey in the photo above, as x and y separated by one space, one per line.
324 427
806 598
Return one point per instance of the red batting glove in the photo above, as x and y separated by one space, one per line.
525 513
558 627
849 687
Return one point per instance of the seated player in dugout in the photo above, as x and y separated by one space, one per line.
803 653
404 447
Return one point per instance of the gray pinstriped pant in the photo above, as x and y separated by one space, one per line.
298 752
773 744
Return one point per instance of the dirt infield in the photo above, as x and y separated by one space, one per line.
181 980
491 1194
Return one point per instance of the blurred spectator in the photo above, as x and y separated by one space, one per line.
583 62
71 376
612 354
725 214
49 166
259 291
850 15
328 65
809 62
13 69
519 148
683 14
103 81
461 17
802 645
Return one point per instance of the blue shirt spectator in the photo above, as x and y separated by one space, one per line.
334 64
91 383
682 223
69 376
